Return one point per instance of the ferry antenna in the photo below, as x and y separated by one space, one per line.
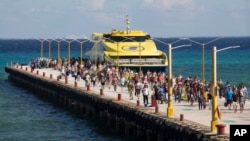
127 25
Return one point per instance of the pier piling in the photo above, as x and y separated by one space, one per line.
138 102
101 91
119 97
181 117
66 79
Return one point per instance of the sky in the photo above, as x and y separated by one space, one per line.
159 18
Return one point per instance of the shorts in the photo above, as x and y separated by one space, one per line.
229 101
241 101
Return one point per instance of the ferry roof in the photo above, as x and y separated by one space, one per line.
128 33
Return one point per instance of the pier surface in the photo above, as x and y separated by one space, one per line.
189 113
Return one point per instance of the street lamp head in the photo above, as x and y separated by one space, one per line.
180 46
58 40
165 43
160 41
85 40
235 46
40 39
202 44
184 38
226 48
68 40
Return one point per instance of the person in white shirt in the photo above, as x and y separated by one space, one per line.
138 89
145 93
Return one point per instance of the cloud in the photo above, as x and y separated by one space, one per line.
92 8
167 4
106 12
93 5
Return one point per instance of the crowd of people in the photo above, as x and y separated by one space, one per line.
146 83
236 96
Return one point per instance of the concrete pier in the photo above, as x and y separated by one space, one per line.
120 113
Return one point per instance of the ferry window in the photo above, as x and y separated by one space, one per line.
106 35
128 38
148 36
140 38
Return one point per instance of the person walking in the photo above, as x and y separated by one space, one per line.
122 81
192 99
155 91
179 92
229 97
103 80
245 95
200 102
241 98
145 93
130 89
235 101
209 97
138 89
115 82
161 93
204 102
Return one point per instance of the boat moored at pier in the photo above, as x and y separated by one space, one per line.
128 48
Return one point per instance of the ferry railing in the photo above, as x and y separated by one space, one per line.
143 61
117 62
110 60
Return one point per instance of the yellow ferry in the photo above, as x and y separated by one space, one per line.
128 48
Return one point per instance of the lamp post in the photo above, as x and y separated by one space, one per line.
140 72
215 121
58 50
81 53
96 54
117 50
170 110
49 41
41 40
94 48
203 55
68 41
81 43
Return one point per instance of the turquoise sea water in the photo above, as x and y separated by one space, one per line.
23 116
